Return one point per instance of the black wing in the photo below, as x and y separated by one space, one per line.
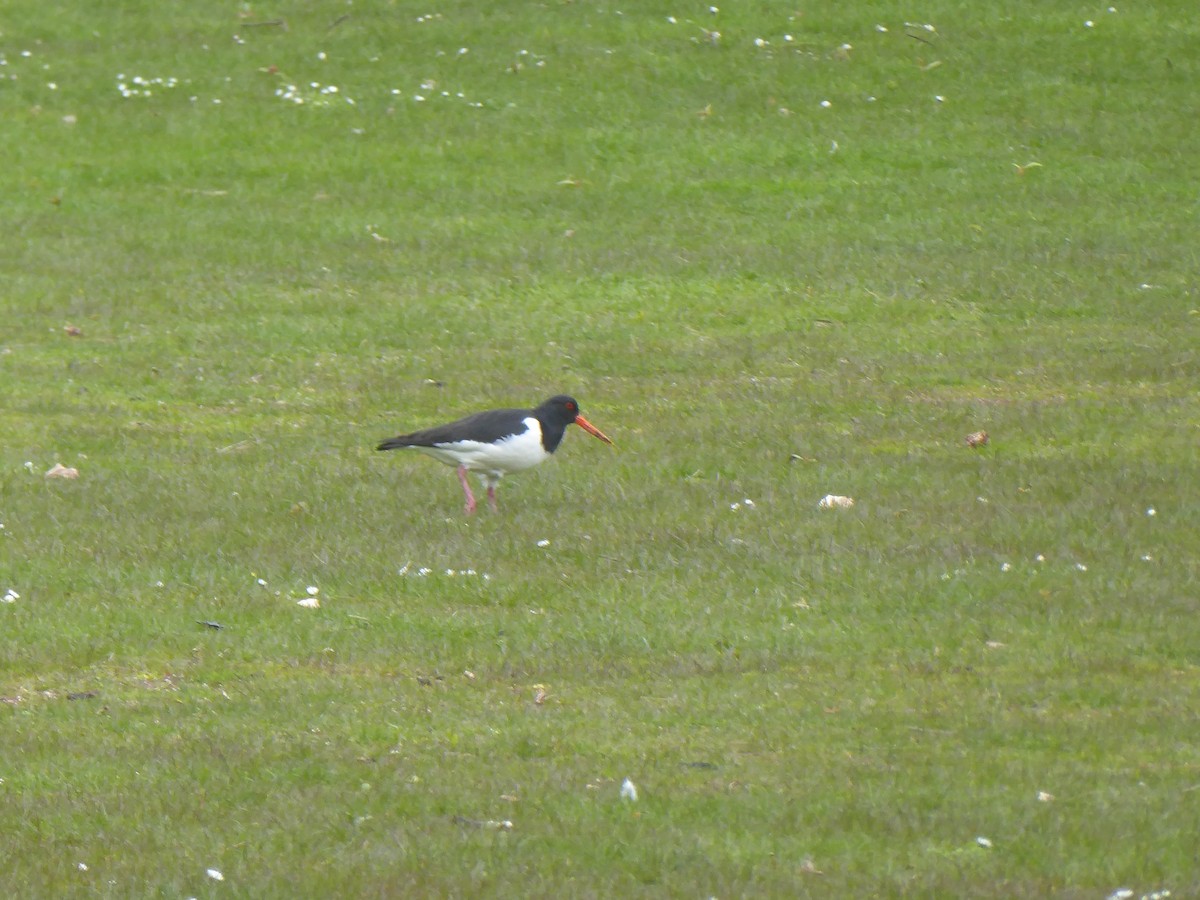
485 427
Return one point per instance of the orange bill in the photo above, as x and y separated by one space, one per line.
592 429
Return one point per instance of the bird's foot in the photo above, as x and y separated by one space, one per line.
466 486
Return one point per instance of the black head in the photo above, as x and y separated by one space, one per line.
560 411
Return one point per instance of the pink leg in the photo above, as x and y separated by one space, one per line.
462 479
492 498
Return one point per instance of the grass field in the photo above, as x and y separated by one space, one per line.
777 251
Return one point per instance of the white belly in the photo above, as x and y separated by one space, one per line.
512 454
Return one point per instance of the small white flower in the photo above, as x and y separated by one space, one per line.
748 502
321 55
158 584
543 543
759 42
262 582
1040 557
1146 557
418 98
983 842
82 867
939 98
1044 797
1081 567
671 19
1120 894
463 51
1006 567
825 104
881 28
735 506
10 596
788 38
309 603
1089 24
713 10
834 501
215 874
313 590
1150 512
629 791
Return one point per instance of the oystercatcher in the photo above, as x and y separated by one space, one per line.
498 441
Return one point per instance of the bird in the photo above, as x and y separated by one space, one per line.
498 441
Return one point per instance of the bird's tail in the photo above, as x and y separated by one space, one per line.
394 443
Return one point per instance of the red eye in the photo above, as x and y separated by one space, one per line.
570 407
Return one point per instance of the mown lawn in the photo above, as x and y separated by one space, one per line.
807 256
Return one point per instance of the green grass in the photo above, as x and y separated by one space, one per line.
756 296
